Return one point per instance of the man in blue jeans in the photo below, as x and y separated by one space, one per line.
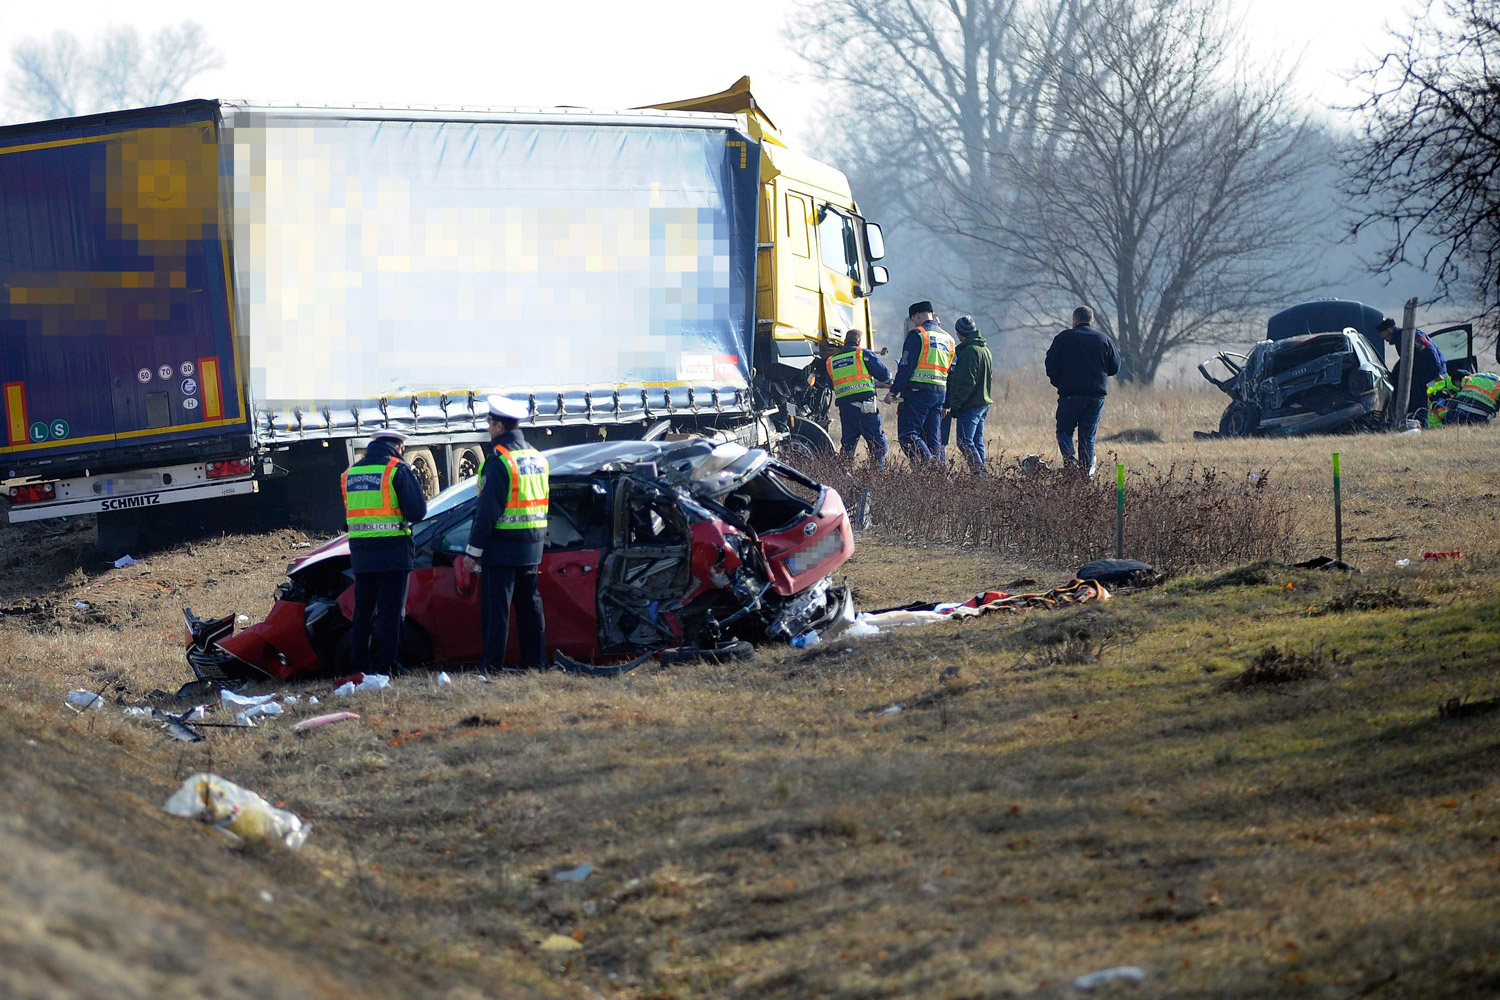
969 390
921 383
1079 364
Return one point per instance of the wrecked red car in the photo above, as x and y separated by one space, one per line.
683 549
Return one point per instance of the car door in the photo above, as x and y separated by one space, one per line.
648 566
1457 344
568 577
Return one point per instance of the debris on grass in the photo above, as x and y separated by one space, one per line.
239 811
362 682
1275 666
323 720
84 700
578 874
125 562
1120 973
560 943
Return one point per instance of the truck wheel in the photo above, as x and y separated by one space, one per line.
423 464
1239 419
467 463
806 440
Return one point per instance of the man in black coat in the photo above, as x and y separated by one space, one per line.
506 541
382 499
1079 364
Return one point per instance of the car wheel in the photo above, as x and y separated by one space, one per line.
1239 419
724 652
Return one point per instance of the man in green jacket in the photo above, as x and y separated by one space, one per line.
969 390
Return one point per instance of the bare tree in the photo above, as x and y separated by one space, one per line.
58 78
1163 186
1425 173
932 95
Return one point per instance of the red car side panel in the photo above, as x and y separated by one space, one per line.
451 620
282 632
796 559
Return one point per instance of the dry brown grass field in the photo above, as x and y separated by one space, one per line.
1248 781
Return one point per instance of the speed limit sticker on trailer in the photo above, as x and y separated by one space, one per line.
143 376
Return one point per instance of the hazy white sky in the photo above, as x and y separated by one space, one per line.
597 54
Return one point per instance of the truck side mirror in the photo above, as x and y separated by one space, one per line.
879 275
875 240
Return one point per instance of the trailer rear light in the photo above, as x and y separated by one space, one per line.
229 467
33 493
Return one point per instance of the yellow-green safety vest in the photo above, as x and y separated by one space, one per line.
849 375
935 360
526 507
370 504
1482 388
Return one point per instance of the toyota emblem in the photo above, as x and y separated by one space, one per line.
810 528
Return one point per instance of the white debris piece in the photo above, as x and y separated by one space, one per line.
367 682
79 698
233 700
1120 973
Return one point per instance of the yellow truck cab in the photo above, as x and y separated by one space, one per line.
815 265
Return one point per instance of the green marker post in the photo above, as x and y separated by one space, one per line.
1338 513
1119 510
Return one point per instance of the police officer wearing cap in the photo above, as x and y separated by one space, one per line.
921 384
505 544
382 499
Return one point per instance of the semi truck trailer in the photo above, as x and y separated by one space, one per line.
204 298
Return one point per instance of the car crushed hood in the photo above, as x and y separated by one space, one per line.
703 467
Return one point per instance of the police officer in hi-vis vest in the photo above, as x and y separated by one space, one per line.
505 544
381 500
921 384
853 373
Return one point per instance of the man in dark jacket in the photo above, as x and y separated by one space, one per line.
506 541
853 372
969 390
921 382
1079 364
382 499
1429 366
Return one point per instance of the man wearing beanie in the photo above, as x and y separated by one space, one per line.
1079 363
921 383
969 390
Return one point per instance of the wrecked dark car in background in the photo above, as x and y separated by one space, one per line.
678 549
1310 384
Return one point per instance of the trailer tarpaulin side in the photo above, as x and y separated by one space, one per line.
394 271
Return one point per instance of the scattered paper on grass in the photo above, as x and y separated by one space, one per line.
893 710
560 943
125 562
443 679
247 717
227 697
363 682
578 874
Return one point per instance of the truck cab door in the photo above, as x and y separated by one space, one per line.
841 283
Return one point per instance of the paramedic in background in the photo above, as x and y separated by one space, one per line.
854 372
381 500
505 544
1079 363
921 384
